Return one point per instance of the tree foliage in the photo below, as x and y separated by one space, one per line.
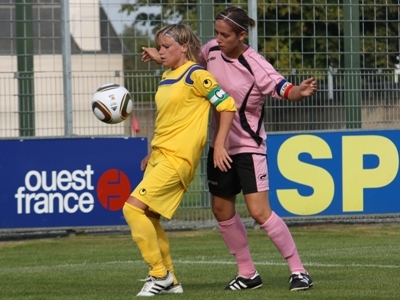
299 34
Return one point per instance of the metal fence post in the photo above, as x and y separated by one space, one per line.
253 32
205 13
351 20
66 59
330 83
26 86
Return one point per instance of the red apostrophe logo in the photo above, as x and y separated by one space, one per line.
113 189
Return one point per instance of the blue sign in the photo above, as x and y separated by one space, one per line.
67 182
334 173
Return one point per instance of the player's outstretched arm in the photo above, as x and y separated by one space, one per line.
150 54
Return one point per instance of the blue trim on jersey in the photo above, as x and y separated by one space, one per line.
188 80
190 70
280 85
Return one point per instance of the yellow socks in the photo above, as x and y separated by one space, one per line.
163 243
145 236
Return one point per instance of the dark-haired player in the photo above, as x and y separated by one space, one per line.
250 78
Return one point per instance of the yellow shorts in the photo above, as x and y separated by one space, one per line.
161 187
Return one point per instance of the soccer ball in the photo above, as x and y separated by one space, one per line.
112 103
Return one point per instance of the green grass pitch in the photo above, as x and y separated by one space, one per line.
345 262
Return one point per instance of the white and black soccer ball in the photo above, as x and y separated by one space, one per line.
112 103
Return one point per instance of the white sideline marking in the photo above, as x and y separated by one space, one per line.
193 262
285 264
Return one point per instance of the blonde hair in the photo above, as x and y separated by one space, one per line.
182 34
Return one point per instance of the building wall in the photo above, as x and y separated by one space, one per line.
49 93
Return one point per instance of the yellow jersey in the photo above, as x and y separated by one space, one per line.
183 100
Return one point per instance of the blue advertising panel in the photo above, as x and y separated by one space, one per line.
67 182
334 173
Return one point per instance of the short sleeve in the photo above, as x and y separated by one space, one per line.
205 83
266 77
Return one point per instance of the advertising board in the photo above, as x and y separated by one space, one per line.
334 173
68 182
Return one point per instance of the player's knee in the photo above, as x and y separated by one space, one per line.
218 212
223 213
260 216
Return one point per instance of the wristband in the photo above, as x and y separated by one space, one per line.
286 94
283 88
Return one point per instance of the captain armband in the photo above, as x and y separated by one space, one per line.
217 95
283 88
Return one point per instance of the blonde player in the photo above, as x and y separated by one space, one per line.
184 97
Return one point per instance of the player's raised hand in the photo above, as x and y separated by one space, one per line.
308 87
150 54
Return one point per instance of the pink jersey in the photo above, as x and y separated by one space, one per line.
247 79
